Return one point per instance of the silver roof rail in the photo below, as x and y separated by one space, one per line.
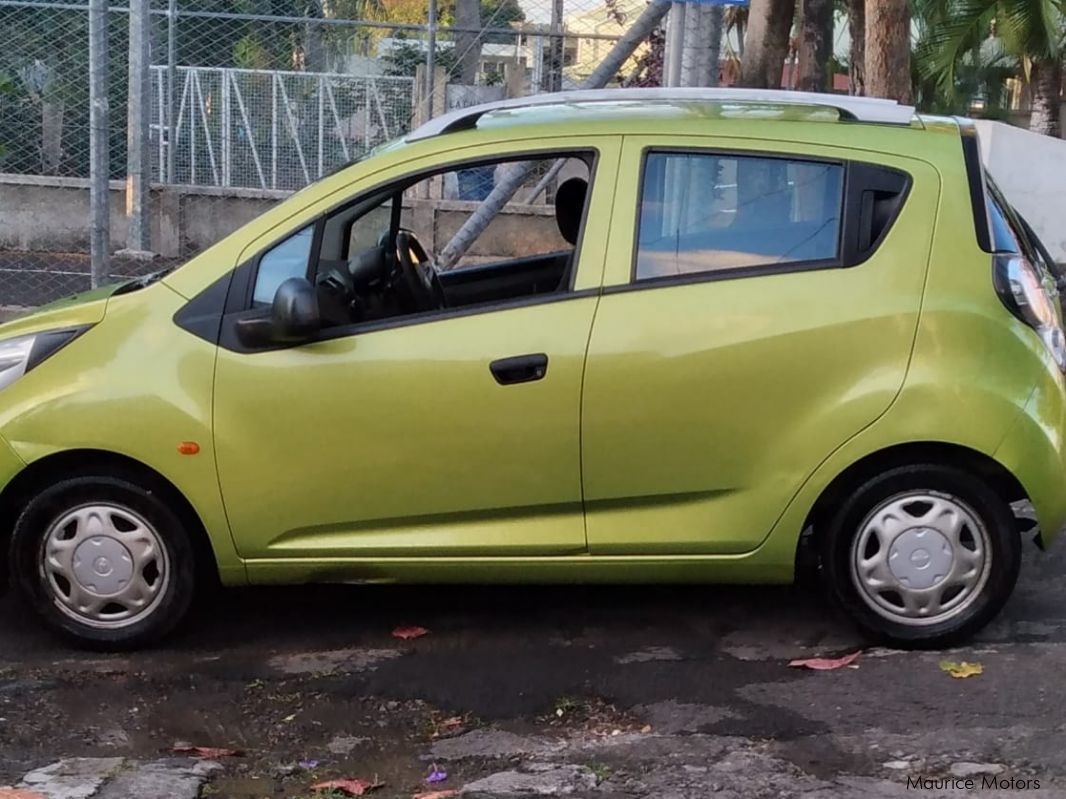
856 109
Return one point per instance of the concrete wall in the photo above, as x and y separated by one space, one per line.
50 215
44 214
44 234
1031 171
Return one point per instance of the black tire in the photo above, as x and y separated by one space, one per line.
987 508
28 546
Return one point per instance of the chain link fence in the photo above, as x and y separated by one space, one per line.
244 107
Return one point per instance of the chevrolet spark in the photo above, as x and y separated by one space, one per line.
627 336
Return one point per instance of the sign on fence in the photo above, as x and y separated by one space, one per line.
458 95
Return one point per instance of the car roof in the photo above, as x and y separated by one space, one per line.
641 105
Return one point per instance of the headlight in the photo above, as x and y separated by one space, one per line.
20 354
14 355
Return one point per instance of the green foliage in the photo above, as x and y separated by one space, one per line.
404 58
500 14
968 48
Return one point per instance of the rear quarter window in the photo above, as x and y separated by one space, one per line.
1004 239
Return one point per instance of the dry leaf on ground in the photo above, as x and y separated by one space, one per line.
348 787
406 633
961 671
825 664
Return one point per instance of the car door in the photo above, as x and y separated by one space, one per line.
758 310
415 436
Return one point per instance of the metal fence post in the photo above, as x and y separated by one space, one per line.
431 57
99 232
172 77
554 80
675 42
137 151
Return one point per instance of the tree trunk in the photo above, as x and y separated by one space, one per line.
888 50
51 136
857 53
553 77
467 44
814 46
714 56
766 43
1045 81
314 43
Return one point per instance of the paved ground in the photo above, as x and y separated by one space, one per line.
593 692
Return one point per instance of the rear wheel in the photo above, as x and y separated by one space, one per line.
104 562
922 556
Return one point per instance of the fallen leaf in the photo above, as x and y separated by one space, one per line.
210 752
436 794
825 664
446 726
348 787
961 671
407 633
19 793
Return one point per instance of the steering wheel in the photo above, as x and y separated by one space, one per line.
421 279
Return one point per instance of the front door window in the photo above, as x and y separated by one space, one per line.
414 247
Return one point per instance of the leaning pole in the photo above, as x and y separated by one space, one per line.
517 174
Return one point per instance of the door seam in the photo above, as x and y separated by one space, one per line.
588 347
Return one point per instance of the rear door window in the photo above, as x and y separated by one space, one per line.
711 212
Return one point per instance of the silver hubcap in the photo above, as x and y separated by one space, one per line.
920 558
104 566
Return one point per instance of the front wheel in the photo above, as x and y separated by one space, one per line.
922 556
104 562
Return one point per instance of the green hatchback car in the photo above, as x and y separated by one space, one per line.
621 336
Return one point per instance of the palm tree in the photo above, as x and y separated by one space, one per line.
1030 31
815 45
888 50
856 10
766 43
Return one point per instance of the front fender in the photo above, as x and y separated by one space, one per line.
134 385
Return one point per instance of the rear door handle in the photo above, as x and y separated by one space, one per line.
519 369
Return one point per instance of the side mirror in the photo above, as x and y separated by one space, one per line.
293 318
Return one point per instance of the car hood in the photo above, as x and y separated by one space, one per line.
84 308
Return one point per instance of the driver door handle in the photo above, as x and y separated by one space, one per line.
519 369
